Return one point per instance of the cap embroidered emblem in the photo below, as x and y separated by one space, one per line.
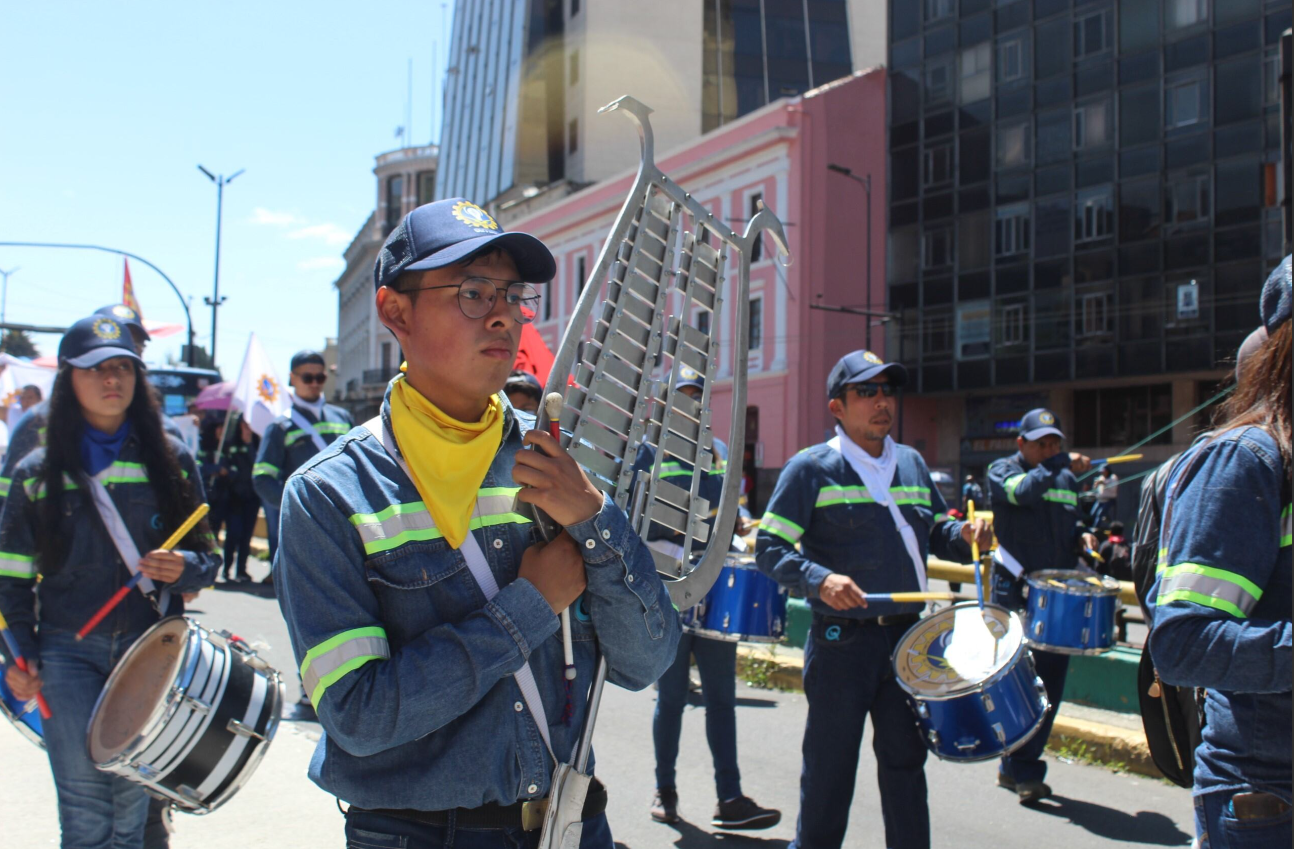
1047 419
123 311
688 373
872 358
268 388
106 328
473 216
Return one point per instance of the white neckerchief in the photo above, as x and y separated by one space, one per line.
316 407
877 474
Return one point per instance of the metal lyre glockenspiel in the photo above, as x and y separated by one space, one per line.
666 259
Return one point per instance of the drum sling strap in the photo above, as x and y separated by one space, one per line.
304 423
122 541
480 569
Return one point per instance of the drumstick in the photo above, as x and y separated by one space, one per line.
553 407
1095 555
979 567
1125 458
171 542
21 662
902 598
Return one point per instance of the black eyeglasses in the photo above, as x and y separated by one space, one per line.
312 378
869 390
476 297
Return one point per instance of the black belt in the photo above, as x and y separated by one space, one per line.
896 619
527 815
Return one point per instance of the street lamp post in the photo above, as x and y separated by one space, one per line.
4 292
866 183
215 300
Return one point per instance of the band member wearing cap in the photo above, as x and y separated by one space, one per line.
716 661
854 515
104 431
1035 514
28 432
442 711
297 435
524 391
1221 602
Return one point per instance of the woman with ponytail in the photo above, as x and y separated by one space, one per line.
104 435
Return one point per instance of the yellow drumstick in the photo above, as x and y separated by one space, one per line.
970 517
901 598
1124 458
174 539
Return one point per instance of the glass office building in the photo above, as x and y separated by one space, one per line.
1080 193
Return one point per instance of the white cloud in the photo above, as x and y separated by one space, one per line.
321 262
260 215
329 233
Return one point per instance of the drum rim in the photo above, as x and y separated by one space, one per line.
1004 752
16 721
1085 591
164 711
1053 649
732 638
987 682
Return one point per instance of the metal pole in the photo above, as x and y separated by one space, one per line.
4 292
868 185
215 291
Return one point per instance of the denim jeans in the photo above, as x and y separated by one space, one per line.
717 662
1026 763
367 830
1217 827
239 525
96 810
848 675
272 529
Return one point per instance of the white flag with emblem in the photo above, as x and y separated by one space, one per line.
259 393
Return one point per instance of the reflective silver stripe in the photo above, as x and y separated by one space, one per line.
1209 586
324 669
1287 526
4 487
784 528
19 566
123 473
412 522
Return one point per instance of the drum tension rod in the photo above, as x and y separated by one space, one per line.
236 727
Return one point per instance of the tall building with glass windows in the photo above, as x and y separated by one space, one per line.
1082 211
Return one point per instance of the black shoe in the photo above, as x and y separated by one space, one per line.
743 814
664 806
242 578
1004 780
1032 791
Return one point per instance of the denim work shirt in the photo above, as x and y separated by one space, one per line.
821 520
93 570
410 669
1035 511
680 473
1221 608
286 448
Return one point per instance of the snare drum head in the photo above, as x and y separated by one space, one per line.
957 649
1073 581
137 688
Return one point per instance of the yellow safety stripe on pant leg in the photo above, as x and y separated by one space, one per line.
328 662
1209 586
781 527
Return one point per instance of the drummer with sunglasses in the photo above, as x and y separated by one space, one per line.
1035 514
854 515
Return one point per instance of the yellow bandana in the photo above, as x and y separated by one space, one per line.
448 458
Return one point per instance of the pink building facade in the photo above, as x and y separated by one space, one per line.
779 155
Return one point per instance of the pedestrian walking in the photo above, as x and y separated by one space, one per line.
1107 499
242 503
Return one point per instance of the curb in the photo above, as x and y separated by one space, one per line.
1102 743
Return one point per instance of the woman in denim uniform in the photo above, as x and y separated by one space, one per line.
103 424
1221 613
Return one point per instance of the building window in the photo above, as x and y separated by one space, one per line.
394 201
386 358
1123 415
1011 59
1094 316
581 274
756 323
974 329
939 82
575 67
975 79
1183 105
426 187
703 321
1013 145
1091 34
937 9
938 167
1011 325
1186 200
937 247
1271 78
937 336
1094 215
1092 125
573 144
1011 231
1184 13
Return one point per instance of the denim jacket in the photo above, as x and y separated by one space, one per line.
408 666
286 448
1035 511
1221 607
679 472
821 520
93 571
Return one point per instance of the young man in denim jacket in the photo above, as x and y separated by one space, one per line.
829 533
428 735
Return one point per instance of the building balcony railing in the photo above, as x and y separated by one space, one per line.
378 376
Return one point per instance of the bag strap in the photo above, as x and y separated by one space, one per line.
302 422
480 569
123 542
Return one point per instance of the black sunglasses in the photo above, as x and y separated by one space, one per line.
869 390
312 378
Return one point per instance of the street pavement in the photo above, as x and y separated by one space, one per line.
280 807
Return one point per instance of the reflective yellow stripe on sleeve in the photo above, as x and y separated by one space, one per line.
781 527
19 566
401 524
328 662
1210 587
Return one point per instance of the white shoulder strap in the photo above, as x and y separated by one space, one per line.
121 539
304 423
480 569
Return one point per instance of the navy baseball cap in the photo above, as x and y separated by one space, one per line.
94 339
442 233
860 367
1039 423
1275 304
306 357
688 376
124 315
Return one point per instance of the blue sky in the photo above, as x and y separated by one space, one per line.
106 110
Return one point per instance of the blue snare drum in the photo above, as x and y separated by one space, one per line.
744 605
971 682
24 715
1071 612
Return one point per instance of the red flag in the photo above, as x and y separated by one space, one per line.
533 355
128 291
